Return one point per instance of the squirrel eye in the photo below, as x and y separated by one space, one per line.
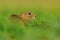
29 13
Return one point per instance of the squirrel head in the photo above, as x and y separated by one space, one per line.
27 16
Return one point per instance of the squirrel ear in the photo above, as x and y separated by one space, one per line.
13 15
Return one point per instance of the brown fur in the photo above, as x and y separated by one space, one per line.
26 17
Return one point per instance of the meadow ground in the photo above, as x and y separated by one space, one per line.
47 16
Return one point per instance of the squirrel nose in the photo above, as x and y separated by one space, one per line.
35 16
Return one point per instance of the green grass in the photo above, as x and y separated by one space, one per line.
46 26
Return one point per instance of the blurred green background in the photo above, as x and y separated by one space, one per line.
47 15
